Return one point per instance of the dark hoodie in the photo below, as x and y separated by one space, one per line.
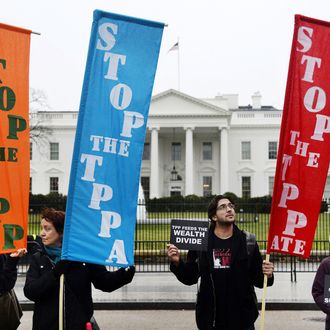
8 272
318 289
244 275
42 287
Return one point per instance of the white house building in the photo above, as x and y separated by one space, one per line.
192 146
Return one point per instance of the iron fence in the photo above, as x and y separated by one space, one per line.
152 234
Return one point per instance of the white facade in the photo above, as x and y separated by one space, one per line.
214 145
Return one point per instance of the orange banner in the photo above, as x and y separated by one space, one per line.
14 137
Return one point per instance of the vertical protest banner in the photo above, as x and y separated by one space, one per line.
303 156
104 182
14 137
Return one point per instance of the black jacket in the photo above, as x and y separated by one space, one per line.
318 289
8 272
42 287
244 275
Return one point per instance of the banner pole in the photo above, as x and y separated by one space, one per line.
263 303
60 314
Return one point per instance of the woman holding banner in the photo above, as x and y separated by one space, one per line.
43 280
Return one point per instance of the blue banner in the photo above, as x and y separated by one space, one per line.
104 182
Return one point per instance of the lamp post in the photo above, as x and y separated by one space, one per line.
174 174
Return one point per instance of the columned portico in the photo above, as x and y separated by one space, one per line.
224 170
189 179
211 134
154 173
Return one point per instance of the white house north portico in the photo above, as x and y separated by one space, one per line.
192 146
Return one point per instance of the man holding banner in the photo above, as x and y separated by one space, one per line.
228 270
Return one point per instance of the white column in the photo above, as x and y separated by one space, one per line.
154 175
224 172
189 180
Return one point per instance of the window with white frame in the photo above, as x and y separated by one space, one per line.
31 150
146 151
272 150
246 150
246 187
207 186
145 183
207 150
53 184
271 180
54 150
176 151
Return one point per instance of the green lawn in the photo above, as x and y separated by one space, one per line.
155 236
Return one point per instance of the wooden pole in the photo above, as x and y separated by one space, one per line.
61 293
263 304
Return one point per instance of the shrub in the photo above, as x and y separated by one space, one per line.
39 201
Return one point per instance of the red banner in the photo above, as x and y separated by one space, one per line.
304 148
14 137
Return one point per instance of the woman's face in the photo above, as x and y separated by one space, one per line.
49 235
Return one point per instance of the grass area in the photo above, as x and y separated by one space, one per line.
156 235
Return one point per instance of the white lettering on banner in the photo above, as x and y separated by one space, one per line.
121 96
311 61
131 120
301 148
294 220
310 96
96 142
286 161
118 253
101 193
299 247
294 135
123 150
289 192
304 38
113 64
108 39
109 220
286 243
322 126
315 101
91 160
110 145
312 160
275 243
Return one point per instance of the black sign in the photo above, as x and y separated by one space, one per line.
189 234
327 290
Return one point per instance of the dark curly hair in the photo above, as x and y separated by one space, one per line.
212 209
55 217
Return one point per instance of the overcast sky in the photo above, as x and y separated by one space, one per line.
226 46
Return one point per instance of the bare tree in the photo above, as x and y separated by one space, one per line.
39 132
